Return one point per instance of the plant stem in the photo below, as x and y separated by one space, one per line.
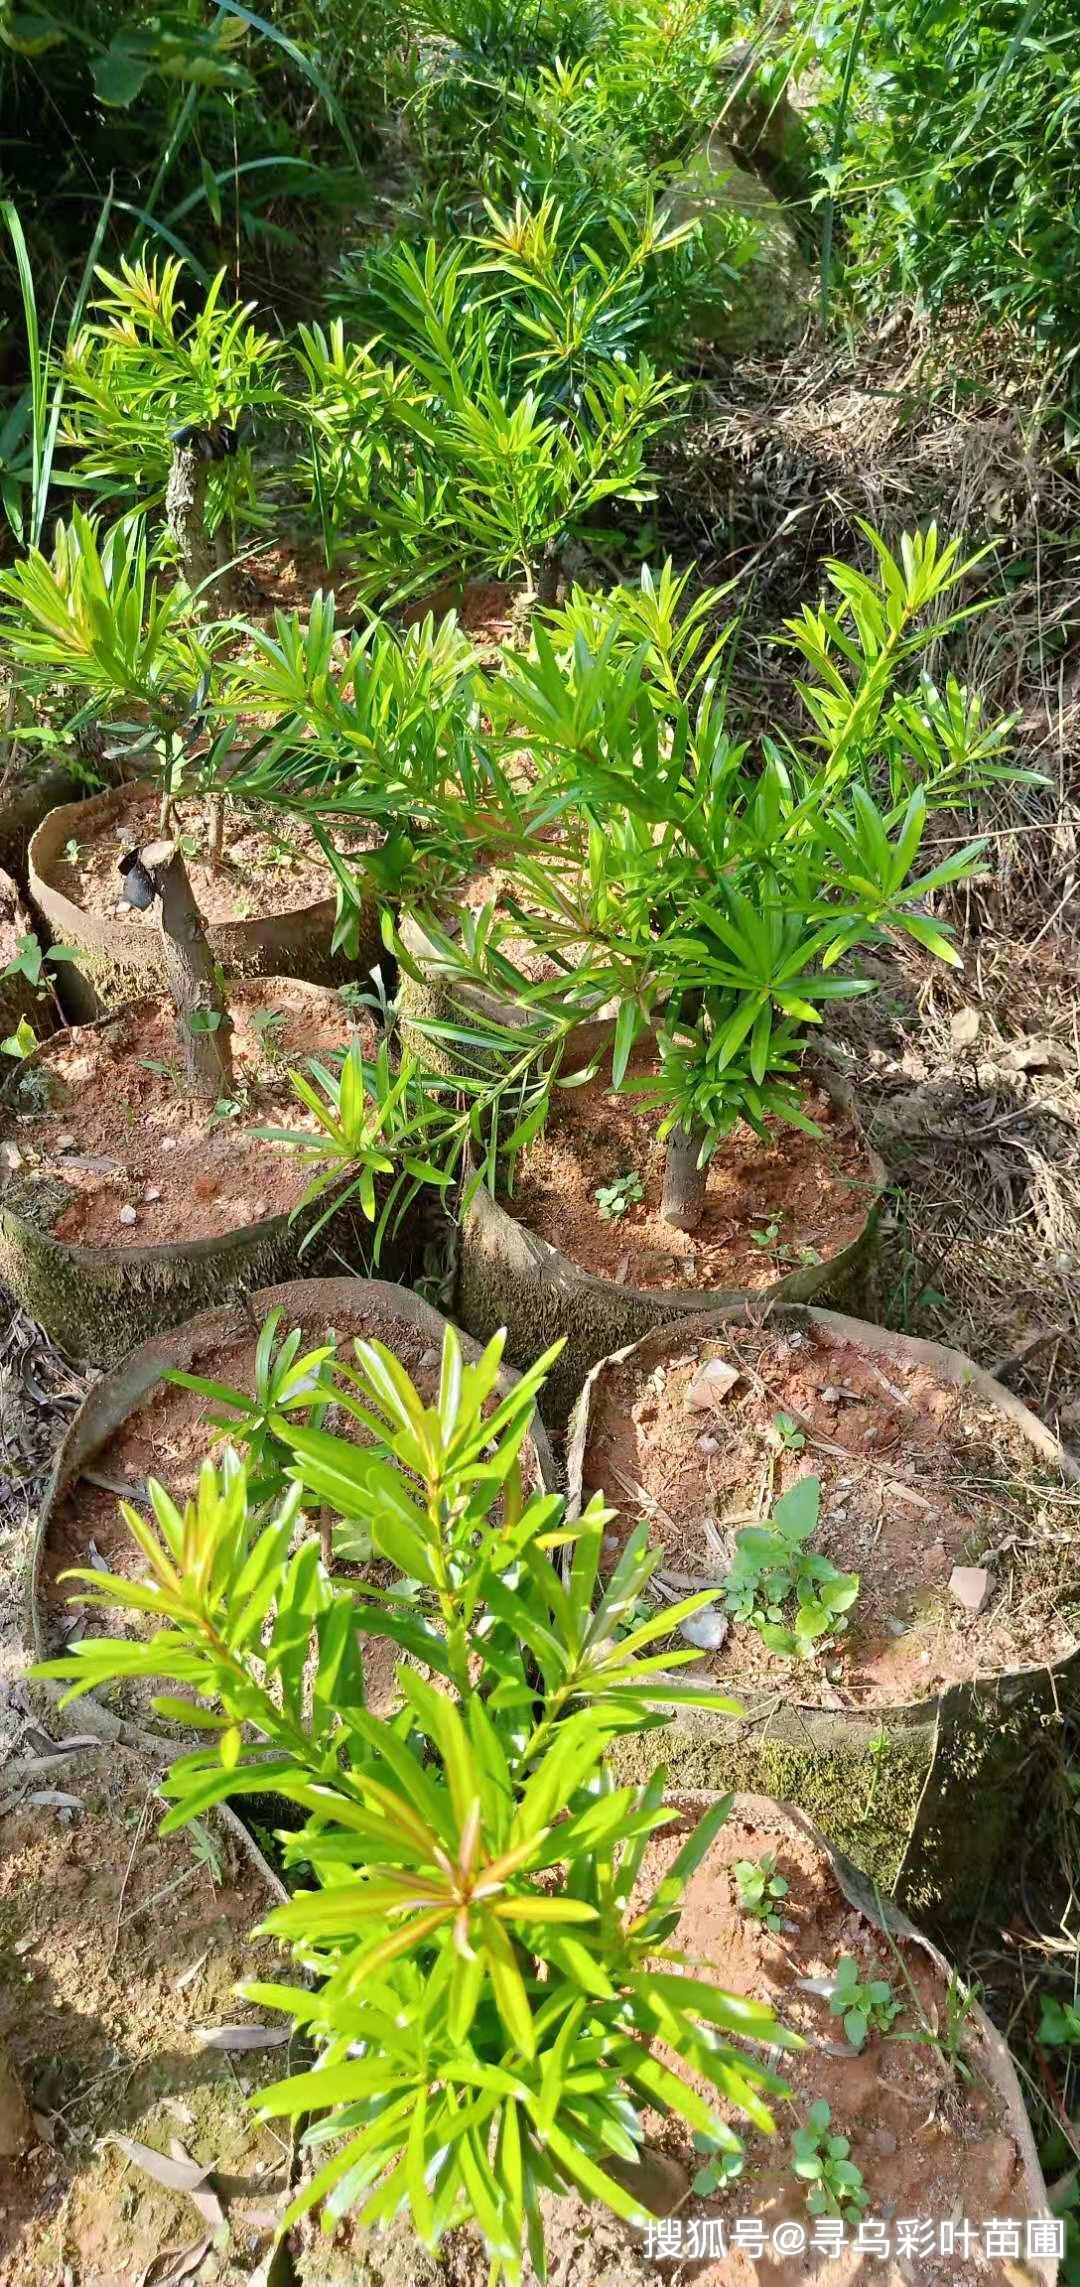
185 513
549 572
215 828
683 1202
192 976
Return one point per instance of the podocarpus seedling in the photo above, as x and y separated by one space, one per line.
823 2162
495 1987
714 888
773 1564
866 2006
761 1889
159 404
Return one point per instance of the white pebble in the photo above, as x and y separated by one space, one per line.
128 1216
152 1192
707 1629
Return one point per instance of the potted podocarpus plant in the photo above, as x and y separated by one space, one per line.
714 910
95 620
134 1189
509 1958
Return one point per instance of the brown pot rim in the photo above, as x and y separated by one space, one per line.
952 1366
126 943
797 1285
888 1919
162 1251
118 1394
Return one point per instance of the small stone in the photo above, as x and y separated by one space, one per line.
713 1382
206 1187
241 1211
935 1556
708 1445
972 1587
830 1396
707 1629
65 1143
964 1028
152 1192
431 1358
128 1216
168 1143
884 2141
260 1209
10 1157
896 1627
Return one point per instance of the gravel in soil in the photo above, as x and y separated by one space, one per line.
121 1159
770 1207
917 1477
116 1944
269 865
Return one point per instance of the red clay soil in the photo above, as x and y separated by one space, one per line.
189 1172
271 865
485 609
927 2143
916 1477
815 1192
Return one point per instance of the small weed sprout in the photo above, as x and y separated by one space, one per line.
761 1889
773 1564
824 2163
865 2008
767 1236
722 2164
792 1438
613 1199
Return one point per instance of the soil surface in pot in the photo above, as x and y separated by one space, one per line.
117 1946
769 1207
101 1125
928 2143
917 1477
270 864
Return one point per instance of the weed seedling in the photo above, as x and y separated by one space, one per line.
761 1889
773 1564
824 2162
869 2008
613 1199
72 851
767 1236
722 2164
792 1438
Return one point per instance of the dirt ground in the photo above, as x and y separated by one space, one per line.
970 1090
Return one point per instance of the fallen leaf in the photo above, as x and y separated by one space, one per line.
176 2263
241 2036
201 2193
176 2173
